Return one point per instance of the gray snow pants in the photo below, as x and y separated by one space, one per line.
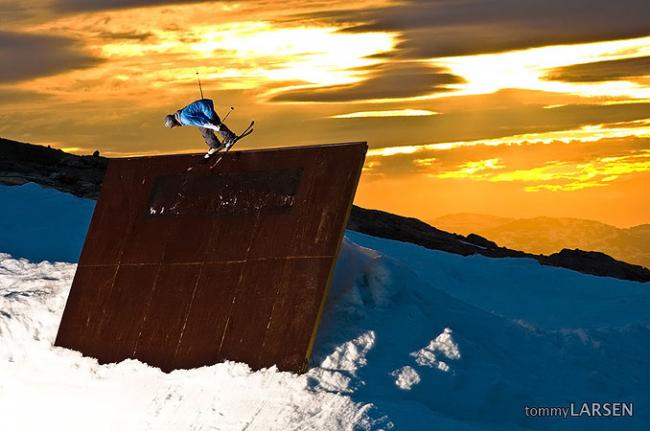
211 139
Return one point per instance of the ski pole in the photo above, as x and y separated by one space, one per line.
231 109
200 88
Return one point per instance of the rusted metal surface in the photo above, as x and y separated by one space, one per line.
182 268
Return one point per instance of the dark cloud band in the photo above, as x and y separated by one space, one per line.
11 96
386 81
26 56
602 70
96 5
437 28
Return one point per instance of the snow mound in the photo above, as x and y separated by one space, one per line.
68 391
510 334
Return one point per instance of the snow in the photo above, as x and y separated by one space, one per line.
406 377
444 344
410 339
40 223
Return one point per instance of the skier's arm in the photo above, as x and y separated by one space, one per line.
200 114
195 119
207 107
200 120
216 127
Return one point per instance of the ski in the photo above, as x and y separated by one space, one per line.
242 135
224 149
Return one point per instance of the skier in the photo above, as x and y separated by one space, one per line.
201 114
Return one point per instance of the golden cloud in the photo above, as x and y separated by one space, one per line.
585 161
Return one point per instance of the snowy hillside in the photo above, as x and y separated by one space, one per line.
40 223
411 339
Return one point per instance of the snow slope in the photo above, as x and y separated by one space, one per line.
40 223
411 339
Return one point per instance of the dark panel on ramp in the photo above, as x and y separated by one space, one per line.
184 268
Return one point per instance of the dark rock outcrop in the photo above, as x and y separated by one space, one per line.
407 229
596 263
82 176
22 163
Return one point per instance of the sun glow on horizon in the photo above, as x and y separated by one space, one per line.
556 176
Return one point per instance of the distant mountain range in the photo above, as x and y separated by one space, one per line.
546 235
22 163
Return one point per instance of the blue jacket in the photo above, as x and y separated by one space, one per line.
198 113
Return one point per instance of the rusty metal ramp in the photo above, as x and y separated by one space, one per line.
184 268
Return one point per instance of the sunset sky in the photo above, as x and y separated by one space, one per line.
517 108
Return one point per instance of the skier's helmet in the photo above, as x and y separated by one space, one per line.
170 121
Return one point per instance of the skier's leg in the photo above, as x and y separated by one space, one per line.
228 136
211 140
